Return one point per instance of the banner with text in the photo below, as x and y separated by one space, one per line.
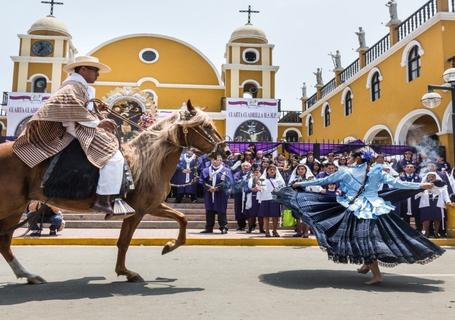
20 108
252 120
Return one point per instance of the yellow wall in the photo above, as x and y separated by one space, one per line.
177 63
398 96
220 127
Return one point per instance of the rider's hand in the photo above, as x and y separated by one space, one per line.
426 185
108 125
102 106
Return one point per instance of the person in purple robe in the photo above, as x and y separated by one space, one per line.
407 158
216 180
239 191
185 175
410 207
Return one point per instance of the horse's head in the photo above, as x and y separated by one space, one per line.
196 130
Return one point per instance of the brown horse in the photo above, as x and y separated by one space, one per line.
152 156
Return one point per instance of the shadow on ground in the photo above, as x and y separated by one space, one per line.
11 294
344 279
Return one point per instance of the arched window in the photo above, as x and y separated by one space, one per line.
414 63
375 87
250 90
292 136
310 125
39 85
327 116
348 103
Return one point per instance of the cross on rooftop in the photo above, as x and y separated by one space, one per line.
249 13
52 3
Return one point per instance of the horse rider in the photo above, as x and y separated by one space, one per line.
64 117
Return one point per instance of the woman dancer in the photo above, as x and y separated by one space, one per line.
300 173
355 227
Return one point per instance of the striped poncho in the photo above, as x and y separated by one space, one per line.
45 134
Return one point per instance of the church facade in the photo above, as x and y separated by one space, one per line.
151 73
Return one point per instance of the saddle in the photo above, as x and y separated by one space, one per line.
71 176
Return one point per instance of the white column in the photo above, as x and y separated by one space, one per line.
58 48
266 83
22 77
56 76
235 55
25 46
265 53
235 83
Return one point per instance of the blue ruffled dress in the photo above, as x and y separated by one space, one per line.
357 227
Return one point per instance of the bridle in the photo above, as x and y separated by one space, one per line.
204 134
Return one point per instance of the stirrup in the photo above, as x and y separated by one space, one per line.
121 210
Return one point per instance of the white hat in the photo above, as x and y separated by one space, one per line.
87 61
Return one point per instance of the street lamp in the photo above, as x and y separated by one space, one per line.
433 99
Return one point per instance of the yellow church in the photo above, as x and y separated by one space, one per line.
377 97
155 73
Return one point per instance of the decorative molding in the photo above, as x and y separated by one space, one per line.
344 93
36 36
33 76
249 67
158 84
149 49
258 55
257 84
253 45
39 59
409 46
151 35
307 120
407 121
371 74
324 107
374 130
446 125
299 133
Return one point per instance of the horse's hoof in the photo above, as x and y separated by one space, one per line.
36 280
170 246
136 278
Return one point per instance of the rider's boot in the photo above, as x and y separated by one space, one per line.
103 203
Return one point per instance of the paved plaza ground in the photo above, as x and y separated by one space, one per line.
198 282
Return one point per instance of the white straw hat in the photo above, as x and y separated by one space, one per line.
87 61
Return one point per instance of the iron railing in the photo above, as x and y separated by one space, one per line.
350 71
328 87
377 49
422 15
311 101
452 6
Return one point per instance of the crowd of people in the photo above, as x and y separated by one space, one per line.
251 176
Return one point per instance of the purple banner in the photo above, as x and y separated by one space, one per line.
241 147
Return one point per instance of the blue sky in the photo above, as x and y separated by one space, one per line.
303 31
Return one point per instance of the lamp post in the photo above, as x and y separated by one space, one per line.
433 99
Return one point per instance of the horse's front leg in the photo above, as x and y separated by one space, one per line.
166 211
129 225
7 253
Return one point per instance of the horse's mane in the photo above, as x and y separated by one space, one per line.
147 152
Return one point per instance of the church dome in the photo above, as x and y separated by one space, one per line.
248 31
49 24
